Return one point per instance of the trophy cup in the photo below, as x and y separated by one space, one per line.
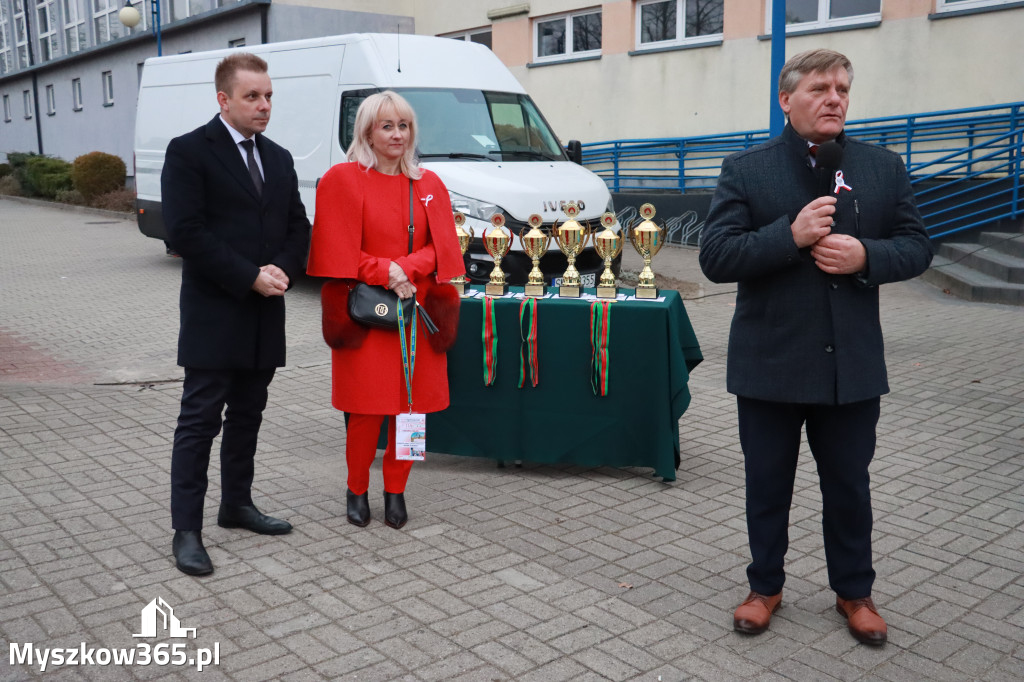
647 239
497 243
464 238
535 245
571 237
608 245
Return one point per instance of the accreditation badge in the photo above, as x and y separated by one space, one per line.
411 436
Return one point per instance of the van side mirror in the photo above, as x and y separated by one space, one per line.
575 151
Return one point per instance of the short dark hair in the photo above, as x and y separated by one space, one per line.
811 61
224 76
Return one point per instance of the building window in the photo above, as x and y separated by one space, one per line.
678 22
104 19
954 5
811 15
20 34
26 98
7 108
567 36
46 30
51 101
6 53
74 25
482 36
76 94
237 42
108 89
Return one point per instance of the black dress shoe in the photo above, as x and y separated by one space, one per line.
189 553
394 510
249 517
358 508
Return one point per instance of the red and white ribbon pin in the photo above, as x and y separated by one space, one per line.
840 183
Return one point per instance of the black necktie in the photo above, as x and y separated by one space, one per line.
254 170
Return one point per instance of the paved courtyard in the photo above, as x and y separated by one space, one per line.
540 573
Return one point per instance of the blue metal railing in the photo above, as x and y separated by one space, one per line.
964 164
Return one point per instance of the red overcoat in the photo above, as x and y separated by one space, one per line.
360 227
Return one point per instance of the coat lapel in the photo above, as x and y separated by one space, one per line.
226 151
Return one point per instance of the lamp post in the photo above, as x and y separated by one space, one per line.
130 17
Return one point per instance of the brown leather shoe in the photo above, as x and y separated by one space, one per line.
754 614
866 626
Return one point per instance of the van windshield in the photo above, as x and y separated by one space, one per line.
462 124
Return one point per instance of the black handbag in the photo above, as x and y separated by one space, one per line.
373 305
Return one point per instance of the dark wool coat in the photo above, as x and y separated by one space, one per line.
800 335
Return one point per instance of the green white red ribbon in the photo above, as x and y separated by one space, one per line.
528 348
490 342
600 330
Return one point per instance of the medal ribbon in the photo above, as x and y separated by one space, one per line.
490 342
600 330
528 348
408 352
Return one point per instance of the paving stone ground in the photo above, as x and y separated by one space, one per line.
535 573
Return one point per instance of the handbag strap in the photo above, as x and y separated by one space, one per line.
411 225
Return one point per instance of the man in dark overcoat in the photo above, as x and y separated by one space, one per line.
805 348
232 209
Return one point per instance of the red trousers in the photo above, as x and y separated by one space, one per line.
361 449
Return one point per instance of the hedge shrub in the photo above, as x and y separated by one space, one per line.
42 176
98 173
5 170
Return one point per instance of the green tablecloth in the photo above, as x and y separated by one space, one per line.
652 350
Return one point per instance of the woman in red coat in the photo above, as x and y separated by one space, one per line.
361 234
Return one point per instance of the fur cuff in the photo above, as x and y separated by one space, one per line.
340 330
442 304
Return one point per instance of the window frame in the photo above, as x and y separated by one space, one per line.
51 101
570 52
75 38
107 78
467 36
824 7
76 94
7 108
26 98
49 45
6 49
681 39
942 6
20 46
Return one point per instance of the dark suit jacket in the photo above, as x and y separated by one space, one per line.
224 232
800 335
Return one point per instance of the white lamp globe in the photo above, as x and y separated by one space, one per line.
129 16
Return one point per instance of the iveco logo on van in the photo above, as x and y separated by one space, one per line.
550 206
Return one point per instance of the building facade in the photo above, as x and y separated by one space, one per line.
69 70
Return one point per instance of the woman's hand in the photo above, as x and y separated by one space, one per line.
399 282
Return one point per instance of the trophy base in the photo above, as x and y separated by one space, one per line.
535 290
496 289
462 288
572 291
646 292
607 292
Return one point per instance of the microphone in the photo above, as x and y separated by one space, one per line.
827 162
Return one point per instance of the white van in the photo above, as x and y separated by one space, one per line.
478 130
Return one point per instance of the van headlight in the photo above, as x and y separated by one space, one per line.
474 208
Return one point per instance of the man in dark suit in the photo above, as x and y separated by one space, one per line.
805 348
232 209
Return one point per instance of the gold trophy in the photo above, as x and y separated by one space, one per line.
497 243
535 245
571 237
608 245
647 239
464 238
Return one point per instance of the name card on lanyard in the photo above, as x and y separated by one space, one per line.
410 427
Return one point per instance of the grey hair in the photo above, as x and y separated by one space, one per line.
812 61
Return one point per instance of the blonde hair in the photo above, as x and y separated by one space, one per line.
367 116
811 61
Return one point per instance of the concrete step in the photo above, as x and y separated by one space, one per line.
1007 242
986 259
971 285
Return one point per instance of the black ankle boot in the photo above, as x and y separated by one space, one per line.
394 510
358 508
